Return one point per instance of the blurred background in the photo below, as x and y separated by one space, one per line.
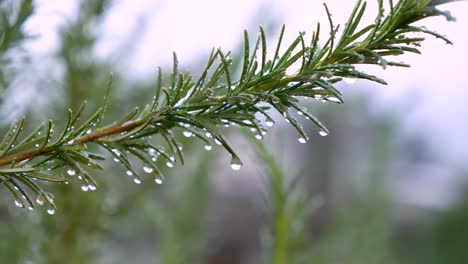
388 185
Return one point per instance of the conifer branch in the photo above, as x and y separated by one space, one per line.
216 99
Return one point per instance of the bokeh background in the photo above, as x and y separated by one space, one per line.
388 185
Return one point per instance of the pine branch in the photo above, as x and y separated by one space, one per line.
218 98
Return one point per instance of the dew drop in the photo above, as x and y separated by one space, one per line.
302 140
19 204
217 142
37 145
318 96
151 150
71 172
129 173
169 164
158 180
253 129
50 197
154 158
71 142
208 147
39 200
323 133
208 135
91 187
187 133
84 188
259 136
247 122
136 180
116 160
88 132
172 158
236 163
269 123
30 208
147 169
333 99
51 211
300 113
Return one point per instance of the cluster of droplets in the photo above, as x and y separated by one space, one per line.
42 199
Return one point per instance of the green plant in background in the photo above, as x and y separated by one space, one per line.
199 107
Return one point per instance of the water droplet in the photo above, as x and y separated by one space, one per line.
187 133
92 187
172 158
136 180
208 135
71 142
30 208
300 113
151 150
116 159
253 129
259 136
158 180
147 169
37 145
19 204
88 132
318 96
80 177
302 140
129 173
334 99
208 147
84 188
51 211
154 158
323 133
50 197
247 122
116 152
71 172
217 142
39 200
269 123
236 163
169 164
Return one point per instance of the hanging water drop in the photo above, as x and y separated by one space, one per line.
269 123
51 211
71 142
208 147
88 132
84 188
253 129
169 164
116 160
36 145
208 135
217 142
334 99
71 172
259 136
323 133
30 208
154 158
300 113
158 180
19 204
172 158
236 163
129 173
136 180
91 187
187 133
39 200
302 140
247 122
147 169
